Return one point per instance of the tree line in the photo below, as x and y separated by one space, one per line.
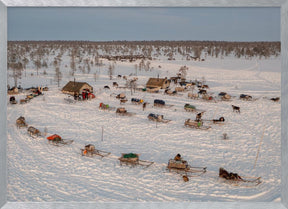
86 54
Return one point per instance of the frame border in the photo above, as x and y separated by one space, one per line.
283 4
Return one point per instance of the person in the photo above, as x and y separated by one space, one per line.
178 157
86 95
75 95
199 116
144 105
83 95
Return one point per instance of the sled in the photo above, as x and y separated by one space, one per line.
247 182
33 131
121 96
103 106
161 103
182 167
191 108
90 151
123 112
157 118
20 122
133 160
24 101
220 121
196 124
56 140
137 101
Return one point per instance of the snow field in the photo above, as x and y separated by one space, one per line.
39 171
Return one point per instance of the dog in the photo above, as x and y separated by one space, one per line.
236 109
123 101
275 99
115 84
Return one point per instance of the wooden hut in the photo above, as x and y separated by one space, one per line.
73 87
162 83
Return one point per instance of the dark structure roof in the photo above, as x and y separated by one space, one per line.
73 86
157 82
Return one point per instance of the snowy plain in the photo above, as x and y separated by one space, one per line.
38 171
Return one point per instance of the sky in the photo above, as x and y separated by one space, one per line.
108 24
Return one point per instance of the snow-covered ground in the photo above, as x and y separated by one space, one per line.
38 171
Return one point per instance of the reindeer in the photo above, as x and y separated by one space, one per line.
236 109
115 84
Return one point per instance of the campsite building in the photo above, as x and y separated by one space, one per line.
161 83
73 87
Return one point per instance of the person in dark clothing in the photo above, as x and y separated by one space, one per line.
76 96
199 116
144 105
178 157
86 95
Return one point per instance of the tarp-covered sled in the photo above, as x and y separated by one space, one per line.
58 141
132 159
157 118
137 101
161 103
103 106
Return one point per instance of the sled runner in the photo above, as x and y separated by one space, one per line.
133 160
90 151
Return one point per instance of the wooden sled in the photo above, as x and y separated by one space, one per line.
90 151
20 122
246 182
195 124
182 167
133 160
123 112
34 132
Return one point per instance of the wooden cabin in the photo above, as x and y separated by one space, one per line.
161 83
73 87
